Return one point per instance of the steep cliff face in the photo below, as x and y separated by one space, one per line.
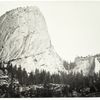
88 65
24 41
97 64
84 64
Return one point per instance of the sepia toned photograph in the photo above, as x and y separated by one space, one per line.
49 49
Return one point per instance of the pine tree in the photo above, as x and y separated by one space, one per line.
14 71
37 76
31 79
19 75
24 77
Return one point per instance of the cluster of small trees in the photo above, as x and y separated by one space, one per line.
69 66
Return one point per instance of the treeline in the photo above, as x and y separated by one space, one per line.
37 77
76 81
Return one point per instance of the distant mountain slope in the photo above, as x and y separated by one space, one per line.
88 65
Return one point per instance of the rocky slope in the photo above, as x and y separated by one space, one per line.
24 41
88 65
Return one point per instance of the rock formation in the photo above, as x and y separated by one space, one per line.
24 41
88 65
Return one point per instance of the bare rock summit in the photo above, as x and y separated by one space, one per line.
24 41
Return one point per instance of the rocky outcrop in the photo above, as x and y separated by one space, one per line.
24 41
88 65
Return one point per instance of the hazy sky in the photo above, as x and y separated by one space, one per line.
74 27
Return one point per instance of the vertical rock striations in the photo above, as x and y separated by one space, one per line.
24 41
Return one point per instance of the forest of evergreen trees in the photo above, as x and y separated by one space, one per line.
75 81
36 77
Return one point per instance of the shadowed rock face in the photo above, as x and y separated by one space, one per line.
87 65
24 41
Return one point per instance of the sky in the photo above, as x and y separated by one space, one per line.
74 27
